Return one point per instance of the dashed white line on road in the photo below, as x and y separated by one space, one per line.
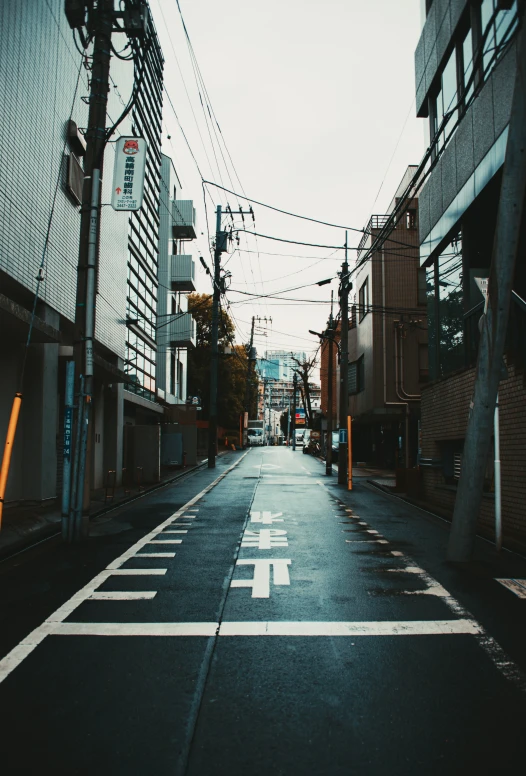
155 555
165 541
123 595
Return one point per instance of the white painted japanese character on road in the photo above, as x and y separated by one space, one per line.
265 539
260 583
267 518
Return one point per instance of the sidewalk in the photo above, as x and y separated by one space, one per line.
26 524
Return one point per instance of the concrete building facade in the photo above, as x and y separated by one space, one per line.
465 66
388 340
43 117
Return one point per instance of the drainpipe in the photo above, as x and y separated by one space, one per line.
384 344
411 396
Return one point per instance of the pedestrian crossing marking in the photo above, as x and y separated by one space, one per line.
271 628
517 586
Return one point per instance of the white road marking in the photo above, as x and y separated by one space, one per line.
137 629
397 554
366 541
260 583
33 639
123 595
165 541
271 628
267 518
369 530
265 539
155 555
492 648
137 572
517 586
173 530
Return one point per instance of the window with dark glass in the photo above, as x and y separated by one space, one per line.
445 311
497 27
363 299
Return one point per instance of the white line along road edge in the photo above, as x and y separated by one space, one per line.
55 620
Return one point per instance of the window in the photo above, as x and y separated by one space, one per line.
444 103
445 311
422 288
410 219
355 377
172 373
352 317
467 67
363 300
497 27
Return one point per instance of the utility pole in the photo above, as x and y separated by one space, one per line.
494 323
220 247
294 387
212 421
88 255
250 359
345 287
328 452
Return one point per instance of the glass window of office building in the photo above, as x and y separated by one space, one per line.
445 308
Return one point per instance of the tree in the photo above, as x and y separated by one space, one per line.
304 371
232 369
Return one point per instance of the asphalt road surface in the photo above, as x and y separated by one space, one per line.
257 618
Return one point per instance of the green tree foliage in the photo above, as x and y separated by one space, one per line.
232 369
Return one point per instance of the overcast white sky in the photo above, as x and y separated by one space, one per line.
312 99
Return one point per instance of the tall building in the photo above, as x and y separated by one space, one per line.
43 118
388 338
287 362
465 65
176 327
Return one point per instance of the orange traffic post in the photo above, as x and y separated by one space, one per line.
8 449
349 454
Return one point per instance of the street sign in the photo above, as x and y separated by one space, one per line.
483 286
128 173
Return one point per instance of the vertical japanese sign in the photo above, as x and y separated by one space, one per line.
68 420
128 173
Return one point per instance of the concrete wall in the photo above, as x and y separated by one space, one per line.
484 122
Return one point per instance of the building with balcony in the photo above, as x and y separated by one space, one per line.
388 338
176 327
465 65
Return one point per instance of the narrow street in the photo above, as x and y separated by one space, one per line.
259 618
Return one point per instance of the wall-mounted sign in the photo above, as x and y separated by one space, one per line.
128 173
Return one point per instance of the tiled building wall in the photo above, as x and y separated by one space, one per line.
445 406
39 66
38 73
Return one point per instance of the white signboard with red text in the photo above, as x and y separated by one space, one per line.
128 173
